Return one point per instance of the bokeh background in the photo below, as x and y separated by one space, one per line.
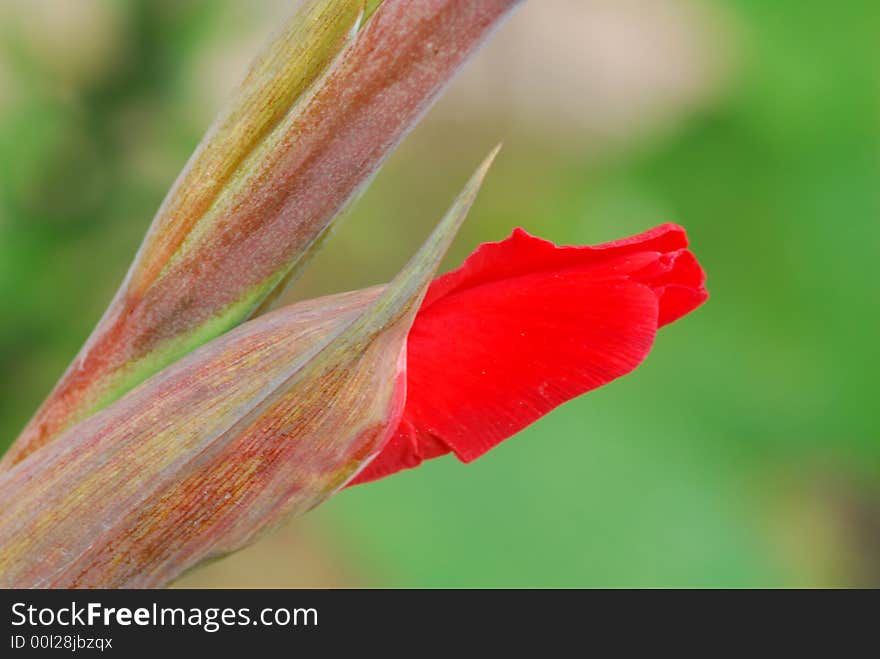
744 452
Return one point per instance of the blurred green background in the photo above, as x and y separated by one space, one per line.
744 452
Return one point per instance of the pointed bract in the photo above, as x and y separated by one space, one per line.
265 422
314 119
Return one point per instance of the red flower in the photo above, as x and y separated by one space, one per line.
275 416
525 325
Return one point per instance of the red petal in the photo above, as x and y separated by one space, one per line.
523 326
